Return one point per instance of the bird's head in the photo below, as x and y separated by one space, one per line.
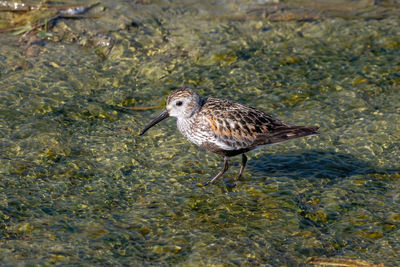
181 103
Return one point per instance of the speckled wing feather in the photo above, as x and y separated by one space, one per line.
241 127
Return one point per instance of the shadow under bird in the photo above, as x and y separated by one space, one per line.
225 127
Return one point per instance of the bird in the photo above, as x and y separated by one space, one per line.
225 127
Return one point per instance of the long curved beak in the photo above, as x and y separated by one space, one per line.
159 118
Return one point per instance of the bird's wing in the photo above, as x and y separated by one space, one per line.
239 126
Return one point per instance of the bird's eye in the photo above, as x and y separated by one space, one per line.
179 103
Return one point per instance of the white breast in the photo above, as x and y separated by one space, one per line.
188 129
197 133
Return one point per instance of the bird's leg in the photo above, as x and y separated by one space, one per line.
244 161
220 173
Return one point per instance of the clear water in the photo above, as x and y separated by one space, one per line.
78 185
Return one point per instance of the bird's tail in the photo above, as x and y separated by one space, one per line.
291 132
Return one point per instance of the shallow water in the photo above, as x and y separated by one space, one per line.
79 186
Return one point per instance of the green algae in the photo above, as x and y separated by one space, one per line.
78 186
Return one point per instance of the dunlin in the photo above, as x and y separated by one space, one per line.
226 127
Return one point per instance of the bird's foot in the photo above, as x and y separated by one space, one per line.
231 184
205 184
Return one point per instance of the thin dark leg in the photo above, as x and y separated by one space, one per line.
244 161
220 173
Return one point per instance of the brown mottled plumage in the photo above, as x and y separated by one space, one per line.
226 127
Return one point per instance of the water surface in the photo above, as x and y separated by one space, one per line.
79 186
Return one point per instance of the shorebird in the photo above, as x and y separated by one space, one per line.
225 127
